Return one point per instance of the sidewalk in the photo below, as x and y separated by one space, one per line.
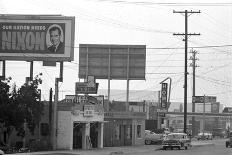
113 150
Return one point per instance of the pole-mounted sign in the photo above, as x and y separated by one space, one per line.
164 89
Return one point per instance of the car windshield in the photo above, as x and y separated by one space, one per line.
175 136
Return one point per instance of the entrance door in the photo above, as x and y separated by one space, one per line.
126 135
94 134
77 135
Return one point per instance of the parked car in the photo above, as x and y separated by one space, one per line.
151 137
218 132
176 140
229 141
204 136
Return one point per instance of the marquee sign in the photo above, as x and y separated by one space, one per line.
36 38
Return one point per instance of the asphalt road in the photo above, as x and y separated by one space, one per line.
217 149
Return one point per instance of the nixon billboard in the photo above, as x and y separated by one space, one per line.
112 61
36 38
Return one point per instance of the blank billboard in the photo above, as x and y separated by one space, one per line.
36 38
112 61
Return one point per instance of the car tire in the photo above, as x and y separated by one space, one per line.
227 145
171 148
186 147
147 142
164 148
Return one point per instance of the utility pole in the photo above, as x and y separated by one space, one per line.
186 34
193 65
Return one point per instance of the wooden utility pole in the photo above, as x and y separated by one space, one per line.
193 65
186 34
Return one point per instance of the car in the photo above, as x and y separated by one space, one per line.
218 132
1 152
176 140
151 137
229 141
204 136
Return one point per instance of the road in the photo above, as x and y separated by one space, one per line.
217 149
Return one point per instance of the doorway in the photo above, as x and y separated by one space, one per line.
77 135
94 134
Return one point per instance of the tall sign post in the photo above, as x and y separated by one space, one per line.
204 99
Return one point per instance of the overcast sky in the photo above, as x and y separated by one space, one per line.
142 22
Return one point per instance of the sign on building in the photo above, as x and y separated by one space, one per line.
32 37
215 107
89 87
202 99
76 98
164 88
198 99
210 99
88 110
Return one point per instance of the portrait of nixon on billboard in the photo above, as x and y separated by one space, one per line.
42 40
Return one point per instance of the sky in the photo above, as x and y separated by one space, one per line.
142 22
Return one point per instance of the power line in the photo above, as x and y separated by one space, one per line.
165 4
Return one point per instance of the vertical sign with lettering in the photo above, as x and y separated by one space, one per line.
164 89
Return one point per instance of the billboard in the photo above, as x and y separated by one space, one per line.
37 38
112 61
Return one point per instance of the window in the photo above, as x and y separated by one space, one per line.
139 131
44 129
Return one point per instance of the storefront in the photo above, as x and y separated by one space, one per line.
124 128
80 126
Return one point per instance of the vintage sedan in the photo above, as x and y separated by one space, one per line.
151 137
176 140
204 136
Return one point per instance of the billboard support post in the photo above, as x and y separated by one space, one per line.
55 118
109 71
3 76
31 70
127 80
61 71
204 116
54 132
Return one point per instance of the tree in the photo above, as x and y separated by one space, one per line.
20 105
30 107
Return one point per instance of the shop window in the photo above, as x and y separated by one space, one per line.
44 129
117 132
139 131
